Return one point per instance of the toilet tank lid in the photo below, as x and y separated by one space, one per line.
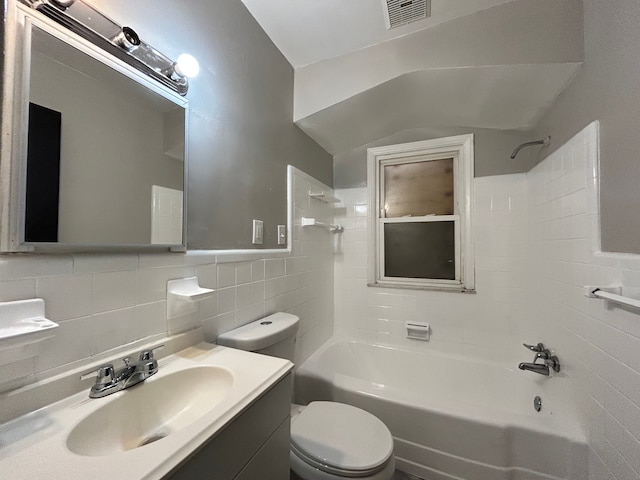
262 333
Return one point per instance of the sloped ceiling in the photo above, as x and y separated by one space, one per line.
503 97
499 68
308 31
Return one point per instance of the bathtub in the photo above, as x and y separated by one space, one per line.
451 418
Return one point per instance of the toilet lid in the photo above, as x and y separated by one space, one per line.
341 437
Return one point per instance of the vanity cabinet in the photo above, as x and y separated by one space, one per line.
254 446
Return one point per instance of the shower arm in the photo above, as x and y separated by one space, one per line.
544 142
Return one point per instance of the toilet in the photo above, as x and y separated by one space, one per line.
329 440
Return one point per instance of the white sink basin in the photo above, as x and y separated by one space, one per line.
144 432
150 411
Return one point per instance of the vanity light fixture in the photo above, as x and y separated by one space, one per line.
120 41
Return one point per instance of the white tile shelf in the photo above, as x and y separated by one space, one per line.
312 222
182 295
323 196
22 324
188 288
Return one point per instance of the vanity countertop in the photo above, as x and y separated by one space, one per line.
34 446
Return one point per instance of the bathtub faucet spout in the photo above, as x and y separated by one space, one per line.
550 363
549 360
540 368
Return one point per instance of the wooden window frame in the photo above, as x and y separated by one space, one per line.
461 149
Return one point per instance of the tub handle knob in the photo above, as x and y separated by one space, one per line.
535 348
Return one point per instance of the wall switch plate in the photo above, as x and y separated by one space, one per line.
258 229
282 235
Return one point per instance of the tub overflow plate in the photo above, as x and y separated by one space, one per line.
537 403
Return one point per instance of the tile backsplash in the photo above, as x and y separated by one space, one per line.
108 302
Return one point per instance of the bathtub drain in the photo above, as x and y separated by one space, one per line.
537 403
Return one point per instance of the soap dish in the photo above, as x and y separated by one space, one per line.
28 330
183 295
188 288
22 322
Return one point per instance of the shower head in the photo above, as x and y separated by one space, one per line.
544 142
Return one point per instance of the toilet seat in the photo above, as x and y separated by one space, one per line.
341 440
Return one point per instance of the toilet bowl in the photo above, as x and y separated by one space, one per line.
329 440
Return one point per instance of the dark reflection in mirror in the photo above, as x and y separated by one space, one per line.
43 175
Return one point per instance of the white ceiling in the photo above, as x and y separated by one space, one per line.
307 31
490 64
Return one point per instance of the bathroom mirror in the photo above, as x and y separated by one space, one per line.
98 157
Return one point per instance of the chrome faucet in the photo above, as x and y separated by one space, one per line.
109 381
540 368
550 362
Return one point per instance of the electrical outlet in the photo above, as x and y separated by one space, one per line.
282 235
258 229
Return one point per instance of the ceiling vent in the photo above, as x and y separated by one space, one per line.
401 12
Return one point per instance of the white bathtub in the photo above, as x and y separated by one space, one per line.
451 418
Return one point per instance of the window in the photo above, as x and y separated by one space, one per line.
420 215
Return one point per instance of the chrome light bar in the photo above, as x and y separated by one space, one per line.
120 41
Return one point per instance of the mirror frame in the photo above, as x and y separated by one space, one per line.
20 21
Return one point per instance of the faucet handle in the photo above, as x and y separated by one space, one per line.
148 354
544 354
535 348
104 375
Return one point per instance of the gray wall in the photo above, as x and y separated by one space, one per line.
242 135
607 90
2 20
492 151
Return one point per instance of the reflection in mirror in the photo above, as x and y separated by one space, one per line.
106 155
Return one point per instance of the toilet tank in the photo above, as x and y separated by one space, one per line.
274 335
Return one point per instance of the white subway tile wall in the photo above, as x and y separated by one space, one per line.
599 343
103 302
537 245
482 324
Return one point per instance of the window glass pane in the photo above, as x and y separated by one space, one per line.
420 250
419 188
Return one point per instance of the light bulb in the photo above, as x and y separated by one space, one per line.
65 3
187 66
